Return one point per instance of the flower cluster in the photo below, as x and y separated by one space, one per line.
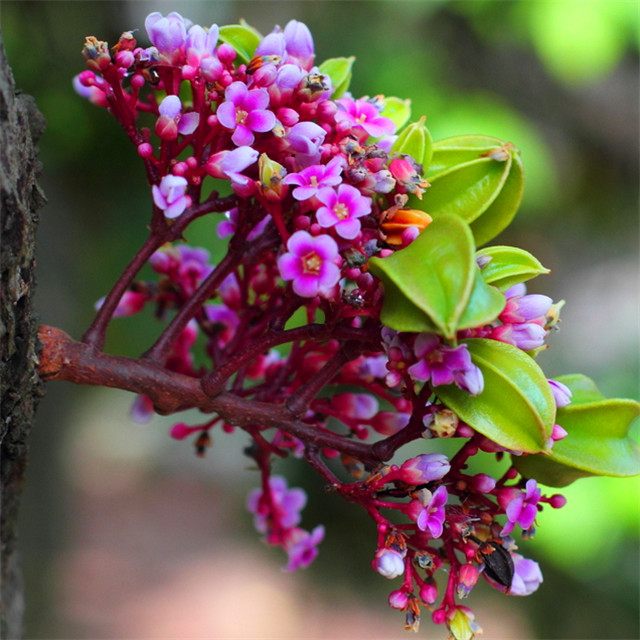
310 183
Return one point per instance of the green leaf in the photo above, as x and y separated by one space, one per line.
583 389
466 190
416 142
435 273
457 150
479 178
503 209
598 441
397 110
339 70
509 266
516 408
484 306
242 37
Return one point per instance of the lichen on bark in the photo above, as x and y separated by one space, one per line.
21 125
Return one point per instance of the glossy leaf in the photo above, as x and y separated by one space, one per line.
397 110
516 408
484 306
479 178
598 440
339 70
416 142
509 266
498 216
457 150
242 37
435 273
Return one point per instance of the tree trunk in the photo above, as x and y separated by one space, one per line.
21 125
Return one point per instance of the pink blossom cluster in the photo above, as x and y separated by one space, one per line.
308 178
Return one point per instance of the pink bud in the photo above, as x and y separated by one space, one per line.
166 128
145 150
226 53
124 59
137 81
558 433
180 431
398 599
424 468
428 593
557 501
467 578
287 116
439 616
388 563
482 483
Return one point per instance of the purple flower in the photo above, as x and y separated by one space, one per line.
525 308
141 410
310 263
273 44
168 34
424 468
305 139
287 504
245 111
225 318
302 548
315 177
201 43
527 576
362 114
289 76
170 195
521 508
170 110
342 210
228 227
388 563
389 422
431 517
561 393
445 365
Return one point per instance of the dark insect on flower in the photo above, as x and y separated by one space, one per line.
498 563
202 444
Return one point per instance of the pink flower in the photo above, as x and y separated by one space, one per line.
310 264
431 517
389 422
425 467
200 45
170 195
287 504
527 576
172 121
355 406
362 114
445 365
315 177
302 548
230 164
342 210
131 303
521 507
244 112
224 319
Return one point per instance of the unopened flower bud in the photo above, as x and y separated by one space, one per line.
558 433
424 468
388 563
398 599
389 422
467 578
166 128
557 501
461 624
403 219
428 593
482 483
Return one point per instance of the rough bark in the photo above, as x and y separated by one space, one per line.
20 127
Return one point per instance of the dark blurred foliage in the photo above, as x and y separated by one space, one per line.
559 79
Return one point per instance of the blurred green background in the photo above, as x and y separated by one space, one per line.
124 532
